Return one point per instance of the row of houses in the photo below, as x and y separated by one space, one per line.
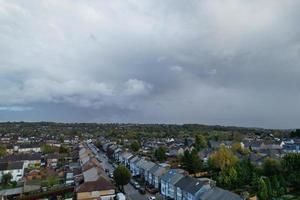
95 183
171 183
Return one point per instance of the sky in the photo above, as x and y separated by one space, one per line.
226 62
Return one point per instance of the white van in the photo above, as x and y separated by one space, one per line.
121 196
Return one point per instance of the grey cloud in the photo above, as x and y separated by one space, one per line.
217 62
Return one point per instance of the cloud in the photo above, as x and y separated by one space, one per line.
176 68
218 62
137 87
15 108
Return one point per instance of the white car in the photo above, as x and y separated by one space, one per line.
151 198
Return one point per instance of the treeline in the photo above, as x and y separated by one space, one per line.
132 130
271 180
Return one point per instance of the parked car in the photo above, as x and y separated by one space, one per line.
142 191
151 198
136 185
107 170
111 175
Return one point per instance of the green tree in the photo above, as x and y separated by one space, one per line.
200 142
269 187
262 190
278 185
222 158
271 167
291 169
160 154
52 180
46 149
98 144
6 178
245 171
295 133
135 146
191 162
228 176
122 176
237 147
63 149
3 151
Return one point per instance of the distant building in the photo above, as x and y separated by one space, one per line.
16 169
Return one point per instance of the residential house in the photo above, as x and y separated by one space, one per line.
92 173
291 148
99 189
217 193
188 188
272 145
125 156
52 159
132 165
27 148
155 174
168 181
106 145
117 153
256 145
33 159
16 169
205 154
145 168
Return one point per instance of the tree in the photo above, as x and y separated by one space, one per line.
245 171
135 146
228 176
200 142
269 187
295 133
122 176
271 167
46 149
237 136
262 190
3 151
191 161
63 149
160 154
222 158
6 178
98 144
52 180
237 147
291 169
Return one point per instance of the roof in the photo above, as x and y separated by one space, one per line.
29 145
158 170
147 165
52 156
172 176
189 184
11 165
14 191
217 193
92 174
140 162
126 155
21 157
99 185
134 159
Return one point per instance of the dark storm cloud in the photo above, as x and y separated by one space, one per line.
218 62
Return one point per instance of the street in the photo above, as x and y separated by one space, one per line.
130 191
